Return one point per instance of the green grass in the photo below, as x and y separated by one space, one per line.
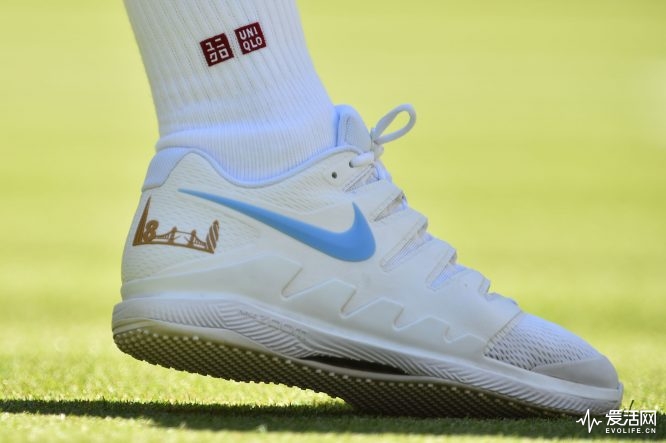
540 153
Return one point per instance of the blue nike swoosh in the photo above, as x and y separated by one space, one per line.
355 244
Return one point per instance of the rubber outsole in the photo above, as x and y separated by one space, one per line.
368 393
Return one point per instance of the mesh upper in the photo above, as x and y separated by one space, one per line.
531 342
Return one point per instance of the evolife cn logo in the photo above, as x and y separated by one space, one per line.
621 421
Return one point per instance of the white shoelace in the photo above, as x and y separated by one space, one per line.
379 138
372 157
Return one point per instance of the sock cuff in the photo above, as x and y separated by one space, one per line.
228 75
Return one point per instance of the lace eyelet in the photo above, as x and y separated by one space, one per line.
334 174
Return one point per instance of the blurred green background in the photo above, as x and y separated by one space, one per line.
539 152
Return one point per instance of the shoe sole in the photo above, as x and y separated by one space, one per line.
227 355
370 393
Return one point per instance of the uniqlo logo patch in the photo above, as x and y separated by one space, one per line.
250 38
217 49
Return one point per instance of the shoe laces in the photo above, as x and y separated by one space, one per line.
378 138
372 157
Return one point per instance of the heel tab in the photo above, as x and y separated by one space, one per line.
163 163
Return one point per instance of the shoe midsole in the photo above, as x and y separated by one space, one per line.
237 322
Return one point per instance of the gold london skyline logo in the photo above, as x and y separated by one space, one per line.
146 234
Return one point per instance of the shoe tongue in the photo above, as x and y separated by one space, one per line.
351 129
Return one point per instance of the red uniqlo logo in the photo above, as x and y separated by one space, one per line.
250 38
216 49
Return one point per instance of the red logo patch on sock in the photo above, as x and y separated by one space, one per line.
250 38
216 49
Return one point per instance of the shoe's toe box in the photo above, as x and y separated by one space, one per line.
596 371
543 347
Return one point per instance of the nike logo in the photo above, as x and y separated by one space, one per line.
353 245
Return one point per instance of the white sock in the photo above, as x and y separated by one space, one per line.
250 98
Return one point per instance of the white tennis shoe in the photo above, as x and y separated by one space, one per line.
325 279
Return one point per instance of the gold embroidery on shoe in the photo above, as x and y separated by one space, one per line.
146 234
